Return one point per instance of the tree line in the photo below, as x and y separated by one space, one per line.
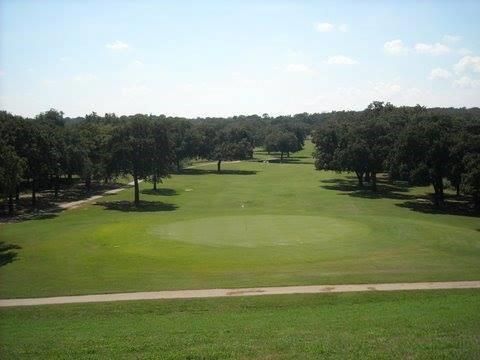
42 152
436 146
423 146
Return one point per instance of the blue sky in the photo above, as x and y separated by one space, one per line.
221 58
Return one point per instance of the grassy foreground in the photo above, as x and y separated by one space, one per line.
426 325
256 224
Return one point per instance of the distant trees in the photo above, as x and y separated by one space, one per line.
285 140
415 144
423 146
422 153
141 148
11 172
186 140
229 144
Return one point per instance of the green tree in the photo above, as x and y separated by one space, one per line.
162 153
11 171
422 153
230 144
132 147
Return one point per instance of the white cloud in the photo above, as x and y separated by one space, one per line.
464 51
466 82
117 45
84 78
329 27
135 90
432 49
468 63
439 73
451 39
395 47
298 68
386 89
341 60
49 82
324 27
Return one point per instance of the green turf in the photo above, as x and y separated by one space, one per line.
399 325
257 224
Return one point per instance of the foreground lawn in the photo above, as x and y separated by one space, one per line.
256 224
427 325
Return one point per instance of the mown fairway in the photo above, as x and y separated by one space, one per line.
256 224
425 325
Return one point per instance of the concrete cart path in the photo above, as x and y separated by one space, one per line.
211 293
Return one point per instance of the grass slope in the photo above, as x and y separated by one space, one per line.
257 224
426 325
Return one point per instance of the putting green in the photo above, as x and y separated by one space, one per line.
263 230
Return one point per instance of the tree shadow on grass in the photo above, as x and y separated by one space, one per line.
160 192
144 206
32 215
215 172
385 190
6 254
460 206
291 160
454 205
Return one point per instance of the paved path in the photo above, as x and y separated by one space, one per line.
75 204
212 163
210 293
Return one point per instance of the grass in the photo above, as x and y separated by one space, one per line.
424 325
256 224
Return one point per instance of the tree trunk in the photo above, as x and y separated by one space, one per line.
367 176
137 192
17 193
476 201
88 183
373 179
178 166
360 178
11 209
69 177
154 180
288 154
438 188
457 188
218 165
34 193
57 180
281 156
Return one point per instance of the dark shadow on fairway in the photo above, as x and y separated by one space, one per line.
47 204
209 172
160 192
6 254
453 206
32 215
385 190
292 161
144 206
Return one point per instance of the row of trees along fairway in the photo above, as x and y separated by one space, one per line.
422 146
50 150
414 144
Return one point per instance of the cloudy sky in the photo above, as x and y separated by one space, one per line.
208 58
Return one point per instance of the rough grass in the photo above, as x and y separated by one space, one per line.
256 224
400 325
